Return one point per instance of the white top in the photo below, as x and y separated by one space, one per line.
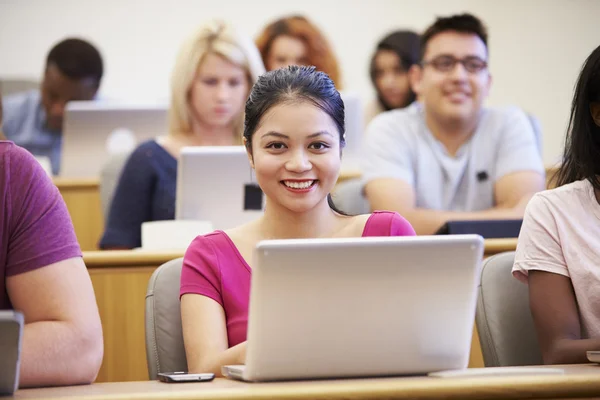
561 234
399 145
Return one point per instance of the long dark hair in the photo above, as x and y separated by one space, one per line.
289 85
581 158
406 45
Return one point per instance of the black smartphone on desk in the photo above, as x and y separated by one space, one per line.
178 377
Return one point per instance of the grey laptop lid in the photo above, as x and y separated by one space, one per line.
11 333
94 130
217 184
325 308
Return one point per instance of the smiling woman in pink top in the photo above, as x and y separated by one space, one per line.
294 135
559 245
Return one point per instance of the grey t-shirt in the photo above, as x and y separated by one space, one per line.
399 145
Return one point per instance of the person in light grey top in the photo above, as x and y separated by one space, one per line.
446 157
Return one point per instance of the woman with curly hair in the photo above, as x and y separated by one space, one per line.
295 40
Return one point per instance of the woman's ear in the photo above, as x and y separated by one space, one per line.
595 111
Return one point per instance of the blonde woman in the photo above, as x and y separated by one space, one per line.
212 77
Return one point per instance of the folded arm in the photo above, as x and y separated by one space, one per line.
556 317
62 338
511 193
205 336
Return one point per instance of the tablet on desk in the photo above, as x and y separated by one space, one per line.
489 229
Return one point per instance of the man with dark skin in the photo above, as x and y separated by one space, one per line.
34 119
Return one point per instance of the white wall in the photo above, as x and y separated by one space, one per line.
536 46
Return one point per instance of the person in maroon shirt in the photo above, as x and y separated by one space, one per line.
43 276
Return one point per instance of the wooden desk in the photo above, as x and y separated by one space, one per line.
120 279
579 381
82 197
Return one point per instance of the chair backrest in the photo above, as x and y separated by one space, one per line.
504 323
109 179
348 196
164 336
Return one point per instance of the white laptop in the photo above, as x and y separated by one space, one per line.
11 337
217 185
354 131
358 307
94 130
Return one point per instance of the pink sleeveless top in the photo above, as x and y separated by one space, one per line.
214 267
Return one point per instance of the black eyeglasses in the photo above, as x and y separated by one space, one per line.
472 64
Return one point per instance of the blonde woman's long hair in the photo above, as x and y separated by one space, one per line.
215 37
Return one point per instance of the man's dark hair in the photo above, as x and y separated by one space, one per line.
77 59
463 23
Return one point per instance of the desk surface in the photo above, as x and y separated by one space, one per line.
578 381
133 258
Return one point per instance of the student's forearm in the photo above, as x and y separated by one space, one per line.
570 351
235 355
427 222
55 353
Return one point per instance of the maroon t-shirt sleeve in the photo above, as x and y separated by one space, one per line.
40 229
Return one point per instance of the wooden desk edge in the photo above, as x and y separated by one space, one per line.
76 183
128 258
495 246
582 381
132 258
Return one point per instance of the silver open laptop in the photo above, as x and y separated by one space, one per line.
357 307
94 130
11 333
217 184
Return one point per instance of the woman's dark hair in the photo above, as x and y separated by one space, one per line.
406 45
292 85
581 158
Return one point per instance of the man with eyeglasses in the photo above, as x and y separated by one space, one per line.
446 157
